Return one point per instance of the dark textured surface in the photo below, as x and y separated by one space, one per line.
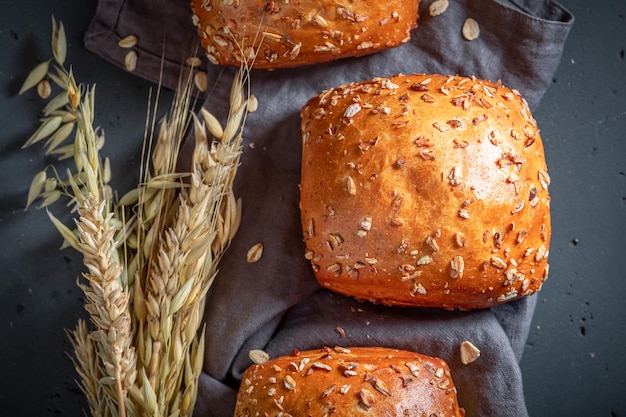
573 363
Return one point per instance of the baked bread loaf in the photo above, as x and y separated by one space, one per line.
425 190
283 33
342 382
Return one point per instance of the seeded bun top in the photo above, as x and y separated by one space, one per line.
348 382
280 34
425 190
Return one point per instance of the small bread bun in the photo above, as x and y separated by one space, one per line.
425 190
281 34
339 382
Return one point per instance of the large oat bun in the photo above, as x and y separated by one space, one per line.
425 190
280 34
372 382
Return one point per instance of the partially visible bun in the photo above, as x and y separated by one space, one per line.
425 190
280 34
372 382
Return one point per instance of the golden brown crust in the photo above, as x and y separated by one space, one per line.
349 382
425 190
281 34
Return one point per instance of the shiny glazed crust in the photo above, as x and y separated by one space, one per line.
281 34
348 382
425 190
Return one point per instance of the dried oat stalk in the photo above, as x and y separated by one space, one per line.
151 256
185 265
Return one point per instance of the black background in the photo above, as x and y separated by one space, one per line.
574 363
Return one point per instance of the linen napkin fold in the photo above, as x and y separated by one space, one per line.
276 304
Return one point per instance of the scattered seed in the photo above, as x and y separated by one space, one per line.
341 331
319 365
424 260
521 235
278 404
508 296
455 176
351 186
130 61
380 387
200 80
44 89
128 42
328 391
432 243
427 98
469 352
457 265
427 154
459 239
319 20
498 262
414 368
254 253
289 383
258 356
253 104
366 223
352 109
193 61
423 142
470 30
479 119
441 127
366 398
438 7
418 289
334 269
541 253
341 349
518 207
544 179
418 87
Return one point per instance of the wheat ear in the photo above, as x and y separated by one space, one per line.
107 302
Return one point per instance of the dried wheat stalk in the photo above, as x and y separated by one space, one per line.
151 256
107 302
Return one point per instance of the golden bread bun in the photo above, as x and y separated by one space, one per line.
343 382
280 34
425 190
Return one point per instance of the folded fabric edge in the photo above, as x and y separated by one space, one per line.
549 11
101 31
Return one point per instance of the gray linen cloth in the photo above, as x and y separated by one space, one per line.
276 304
